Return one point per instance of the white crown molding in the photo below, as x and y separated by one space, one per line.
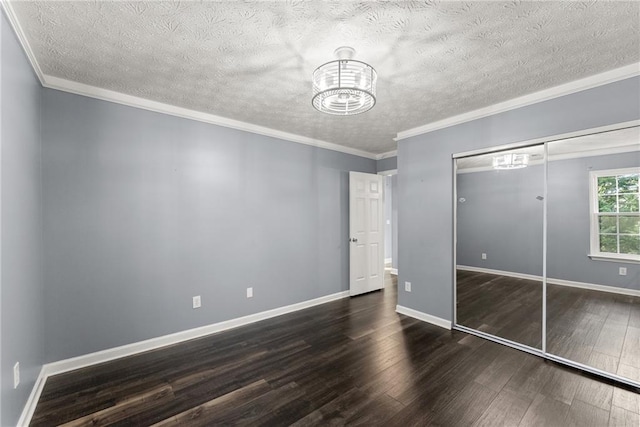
551 281
65 85
596 80
17 29
392 153
438 321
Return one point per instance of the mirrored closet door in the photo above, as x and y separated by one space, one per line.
547 242
593 251
499 254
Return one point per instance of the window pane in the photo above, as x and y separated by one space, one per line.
607 185
608 243
608 224
607 204
630 244
628 183
628 203
628 225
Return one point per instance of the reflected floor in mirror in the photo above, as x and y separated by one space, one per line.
503 306
599 329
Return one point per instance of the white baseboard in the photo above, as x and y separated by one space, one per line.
102 356
438 321
594 287
393 271
552 281
499 272
32 401
165 340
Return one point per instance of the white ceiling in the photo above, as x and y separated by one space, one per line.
617 141
252 61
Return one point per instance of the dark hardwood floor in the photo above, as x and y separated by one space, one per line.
599 329
352 361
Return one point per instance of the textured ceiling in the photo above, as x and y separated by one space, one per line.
252 61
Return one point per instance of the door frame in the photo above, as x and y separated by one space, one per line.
390 172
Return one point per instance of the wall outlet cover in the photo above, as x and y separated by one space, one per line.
622 271
197 302
484 256
249 292
407 286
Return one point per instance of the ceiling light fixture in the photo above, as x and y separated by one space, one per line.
344 87
511 161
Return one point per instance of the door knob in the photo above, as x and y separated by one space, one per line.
353 239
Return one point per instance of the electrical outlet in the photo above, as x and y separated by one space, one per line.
407 286
16 375
484 256
622 271
197 301
249 292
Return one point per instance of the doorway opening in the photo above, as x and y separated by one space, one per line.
390 227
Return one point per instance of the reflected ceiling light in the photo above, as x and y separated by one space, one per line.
344 87
511 161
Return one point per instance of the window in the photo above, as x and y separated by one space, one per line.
615 214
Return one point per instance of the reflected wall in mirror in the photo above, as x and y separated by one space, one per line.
499 244
593 251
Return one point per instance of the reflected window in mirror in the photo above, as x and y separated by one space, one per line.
615 214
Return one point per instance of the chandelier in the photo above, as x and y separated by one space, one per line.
344 87
511 161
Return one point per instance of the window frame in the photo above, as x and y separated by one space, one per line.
594 214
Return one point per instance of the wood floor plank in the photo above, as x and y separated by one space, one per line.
596 393
468 406
631 348
620 417
585 415
500 371
626 399
545 411
562 385
337 411
124 408
202 413
507 409
610 340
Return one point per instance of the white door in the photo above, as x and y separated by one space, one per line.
366 225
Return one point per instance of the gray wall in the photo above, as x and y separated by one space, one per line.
142 211
425 187
390 163
501 217
21 278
